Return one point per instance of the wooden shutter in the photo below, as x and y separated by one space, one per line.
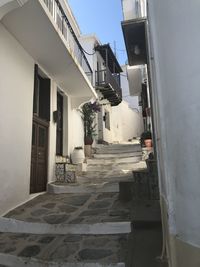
44 99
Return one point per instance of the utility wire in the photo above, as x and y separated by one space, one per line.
90 54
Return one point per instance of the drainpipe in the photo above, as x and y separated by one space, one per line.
154 110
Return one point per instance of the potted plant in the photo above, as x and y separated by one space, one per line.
146 139
89 111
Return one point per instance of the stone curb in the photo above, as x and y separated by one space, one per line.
8 225
81 189
111 161
11 260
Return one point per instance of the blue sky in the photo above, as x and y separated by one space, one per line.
103 18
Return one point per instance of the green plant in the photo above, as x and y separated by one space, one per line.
88 112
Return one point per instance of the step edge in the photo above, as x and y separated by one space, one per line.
8 225
12 260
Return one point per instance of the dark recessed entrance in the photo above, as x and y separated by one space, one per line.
41 117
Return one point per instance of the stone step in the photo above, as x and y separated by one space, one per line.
111 167
106 161
29 250
118 145
97 187
146 213
78 212
23 227
114 173
118 155
118 149
107 174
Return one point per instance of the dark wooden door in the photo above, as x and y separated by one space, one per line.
39 156
59 127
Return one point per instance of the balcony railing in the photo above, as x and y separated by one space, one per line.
67 31
105 78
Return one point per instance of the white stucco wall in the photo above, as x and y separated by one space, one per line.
125 85
175 44
133 9
16 108
76 130
107 134
16 98
52 134
126 122
89 42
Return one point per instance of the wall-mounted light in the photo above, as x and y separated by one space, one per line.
137 50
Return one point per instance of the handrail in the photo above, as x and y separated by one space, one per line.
105 77
68 33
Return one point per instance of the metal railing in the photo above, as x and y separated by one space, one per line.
67 31
105 77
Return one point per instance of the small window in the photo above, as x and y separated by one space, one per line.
107 120
41 99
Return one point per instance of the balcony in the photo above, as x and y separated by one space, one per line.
108 85
107 80
45 31
136 41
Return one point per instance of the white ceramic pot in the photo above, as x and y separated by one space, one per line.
77 156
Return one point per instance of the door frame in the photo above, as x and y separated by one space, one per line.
41 117
45 124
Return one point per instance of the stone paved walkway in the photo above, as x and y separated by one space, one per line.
73 209
70 250
66 248
94 205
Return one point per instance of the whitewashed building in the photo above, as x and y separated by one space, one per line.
44 78
170 42
120 117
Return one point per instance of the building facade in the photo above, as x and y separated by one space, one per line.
44 78
120 118
171 45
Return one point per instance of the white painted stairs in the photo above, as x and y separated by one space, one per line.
115 160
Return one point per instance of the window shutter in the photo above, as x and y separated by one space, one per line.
44 102
36 91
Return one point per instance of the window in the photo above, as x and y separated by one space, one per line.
107 120
41 98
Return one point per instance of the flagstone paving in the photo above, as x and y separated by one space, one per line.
73 208
95 202
66 248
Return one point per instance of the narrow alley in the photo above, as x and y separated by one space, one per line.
99 130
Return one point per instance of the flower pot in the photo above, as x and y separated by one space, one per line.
148 143
77 156
88 140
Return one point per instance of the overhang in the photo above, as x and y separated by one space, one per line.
134 32
35 29
107 54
